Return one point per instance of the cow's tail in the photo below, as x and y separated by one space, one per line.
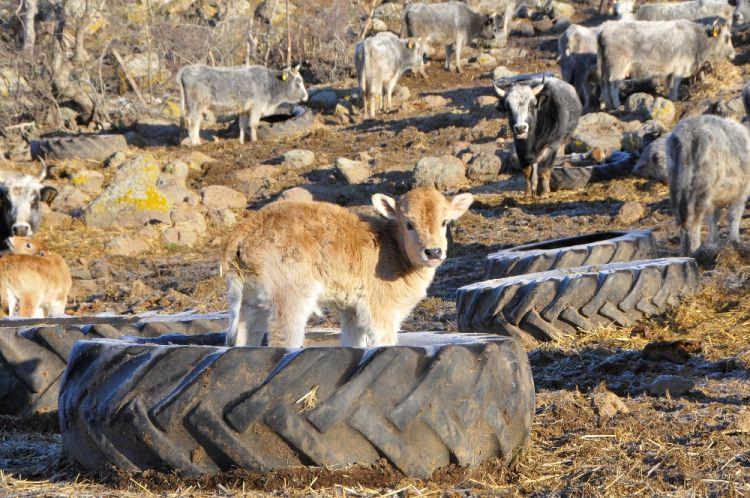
182 104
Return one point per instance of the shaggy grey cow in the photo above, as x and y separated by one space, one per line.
672 50
248 91
577 47
708 158
381 60
652 163
691 11
542 117
452 24
21 196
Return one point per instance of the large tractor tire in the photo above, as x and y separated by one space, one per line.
32 360
545 306
92 147
196 408
583 250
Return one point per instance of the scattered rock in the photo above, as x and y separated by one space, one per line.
522 27
197 159
616 190
127 245
663 110
502 72
607 404
674 384
484 166
601 130
630 212
635 141
296 194
639 103
561 24
378 25
89 181
486 60
354 172
401 94
324 100
115 160
179 236
485 100
223 217
390 13
56 219
141 67
561 9
444 172
434 101
220 197
70 200
274 12
171 184
543 25
649 107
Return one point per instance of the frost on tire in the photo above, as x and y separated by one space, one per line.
545 306
590 249
434 400
32 360
93 147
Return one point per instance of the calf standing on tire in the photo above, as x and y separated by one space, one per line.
20 201
451 24
290 257
382 59
542 117
708 158
251 92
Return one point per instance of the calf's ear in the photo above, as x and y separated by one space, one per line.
459 205
48 194
385 205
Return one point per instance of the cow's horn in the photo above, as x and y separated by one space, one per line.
43 173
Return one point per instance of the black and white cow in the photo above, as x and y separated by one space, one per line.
20 198
542 117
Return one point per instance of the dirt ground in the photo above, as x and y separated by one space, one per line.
695 444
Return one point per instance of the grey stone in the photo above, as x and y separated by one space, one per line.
298 158
220 197
444 172
127 245
484 166
630 212
353 172
674 384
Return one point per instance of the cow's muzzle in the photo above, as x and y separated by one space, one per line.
21 229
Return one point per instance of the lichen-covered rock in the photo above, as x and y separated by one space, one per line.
484 166
599 130
88 181
443 172
132 198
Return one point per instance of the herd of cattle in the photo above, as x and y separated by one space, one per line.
291 257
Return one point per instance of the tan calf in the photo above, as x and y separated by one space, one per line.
36 280
290 257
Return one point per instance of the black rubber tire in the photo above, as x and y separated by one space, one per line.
575 177
201 409
592 249
32 360
92 147
301 123
546 306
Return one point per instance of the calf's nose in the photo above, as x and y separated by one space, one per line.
21 229
521 128
433 253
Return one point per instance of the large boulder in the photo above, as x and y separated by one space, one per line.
132 197
599 130
646 106
443 172
221 197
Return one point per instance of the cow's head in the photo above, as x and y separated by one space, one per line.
492 27
521 102
720 39
20 198
295 85
415 48
24 245
422 216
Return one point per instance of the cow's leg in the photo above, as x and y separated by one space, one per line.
545 174
389 93
735 219
690 236
194 125
254 120
243 120
527 174
364 103
674 92
459 42
248 312
290 310
712 218
11 301
448 52
614 90
376 98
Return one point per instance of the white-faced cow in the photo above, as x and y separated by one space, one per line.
708 158
380 61
21 196
451 24
652 50
251 92
542 117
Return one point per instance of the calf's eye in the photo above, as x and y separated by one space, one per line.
409 225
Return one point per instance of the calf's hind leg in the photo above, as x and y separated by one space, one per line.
248 312
290 309
735 219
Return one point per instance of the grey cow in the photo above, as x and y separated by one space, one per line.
691 11
452 24
380 61
708 158
672 50
652 163
248 91
578 47
22 196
